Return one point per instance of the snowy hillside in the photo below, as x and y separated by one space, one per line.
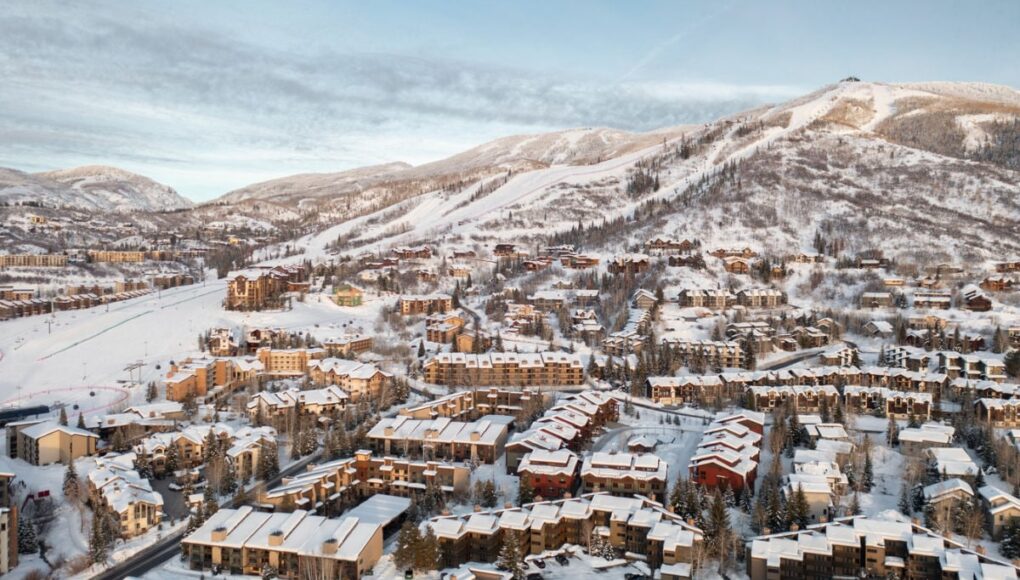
91 188
849 156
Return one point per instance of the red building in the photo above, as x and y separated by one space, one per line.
718 468
551 474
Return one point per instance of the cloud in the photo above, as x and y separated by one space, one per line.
198 105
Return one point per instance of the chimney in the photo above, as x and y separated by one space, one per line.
916 521
539 498
219 534
794 527
276 538
508 505
478 508
690 522
822 519
445 513
766 532
329 546
980 550
567 495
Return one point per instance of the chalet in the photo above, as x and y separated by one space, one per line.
579 261
644 299
712 299
737 265
116 488
998 412
221 342
932 299
629 264
1003 508
997 284
348 295
443 327
915 440
839 356
733 252
761 298
950 462
876 300
695 261
412 253
668 246
974 300
426 304
505 251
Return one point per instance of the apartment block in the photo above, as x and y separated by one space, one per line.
482 440
340 483
625 474
296 545
505 369
865 547
636 525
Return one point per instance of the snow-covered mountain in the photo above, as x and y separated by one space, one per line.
926 168
92 188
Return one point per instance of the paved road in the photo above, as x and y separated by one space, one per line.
154 556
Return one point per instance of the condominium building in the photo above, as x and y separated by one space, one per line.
635 525
625 474
355 378
482 440
282 406
550 474
296 545
427 304
45 442
117 488
505 369
865 547
337 484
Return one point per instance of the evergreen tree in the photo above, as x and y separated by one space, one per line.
718 535
143 466
99 543
1010 543
511 559
63 416
838 415
171 461
428 554
869 473
28 542
228 483
905 503
72 487
209 499
855 505
525 493
81 420
151 393
489 498
798 509
892 433
408 540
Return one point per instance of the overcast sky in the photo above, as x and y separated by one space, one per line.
210 96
